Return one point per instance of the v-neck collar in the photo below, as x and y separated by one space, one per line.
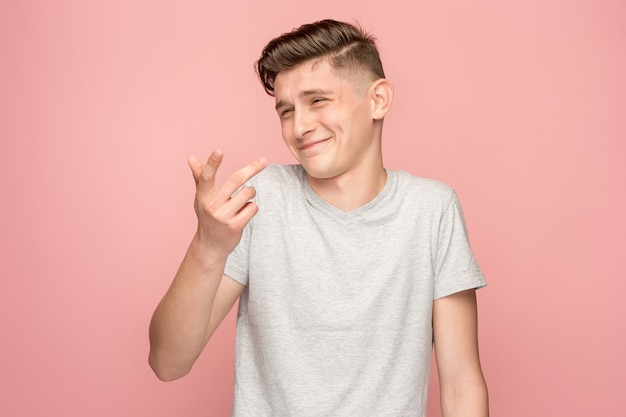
362 212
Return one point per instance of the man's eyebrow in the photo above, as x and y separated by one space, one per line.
305 93
314 91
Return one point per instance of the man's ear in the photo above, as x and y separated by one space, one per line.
382 96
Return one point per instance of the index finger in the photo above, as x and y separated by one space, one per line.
240 177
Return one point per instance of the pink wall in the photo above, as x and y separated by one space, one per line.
519 105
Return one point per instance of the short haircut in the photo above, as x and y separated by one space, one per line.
346 46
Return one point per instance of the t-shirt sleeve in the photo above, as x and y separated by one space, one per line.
237 264
456 268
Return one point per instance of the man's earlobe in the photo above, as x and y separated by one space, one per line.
382 96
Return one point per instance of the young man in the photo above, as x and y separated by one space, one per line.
346 273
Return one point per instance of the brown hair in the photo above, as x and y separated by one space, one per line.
346 46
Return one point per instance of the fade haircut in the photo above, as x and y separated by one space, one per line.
347 47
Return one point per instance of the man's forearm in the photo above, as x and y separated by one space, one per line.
178 330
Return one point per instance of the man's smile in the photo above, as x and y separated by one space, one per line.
312 144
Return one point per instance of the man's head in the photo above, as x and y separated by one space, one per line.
346 47
331 97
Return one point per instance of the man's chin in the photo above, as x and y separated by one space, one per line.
317 172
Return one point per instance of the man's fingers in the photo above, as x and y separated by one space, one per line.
196 168
214 161
204 175
246 213
206 181
240 177
238 201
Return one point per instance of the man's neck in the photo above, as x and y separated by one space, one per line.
351 190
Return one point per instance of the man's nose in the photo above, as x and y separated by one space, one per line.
303 123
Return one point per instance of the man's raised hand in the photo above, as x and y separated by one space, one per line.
223 211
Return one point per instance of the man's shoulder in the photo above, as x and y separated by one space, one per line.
422 186
278 182
279 173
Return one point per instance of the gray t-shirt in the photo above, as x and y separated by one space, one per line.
336 316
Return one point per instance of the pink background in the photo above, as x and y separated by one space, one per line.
519 105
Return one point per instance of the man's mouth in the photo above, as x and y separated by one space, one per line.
311 144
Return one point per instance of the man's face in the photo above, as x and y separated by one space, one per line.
326 119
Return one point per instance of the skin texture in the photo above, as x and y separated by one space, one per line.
332 124
200 295
462 385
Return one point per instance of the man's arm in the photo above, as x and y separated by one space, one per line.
462 385
200 296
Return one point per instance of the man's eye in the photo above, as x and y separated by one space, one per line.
285 112
318 99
